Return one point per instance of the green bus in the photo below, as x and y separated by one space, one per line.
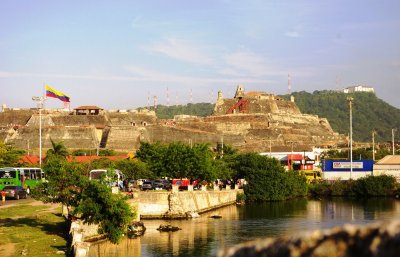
25 177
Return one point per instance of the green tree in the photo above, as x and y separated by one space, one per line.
92 201
134 169
179 160
267 179
10 156
65 182
102 163
152 155
99 206
107 152
58 150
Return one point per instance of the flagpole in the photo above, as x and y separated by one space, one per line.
40 102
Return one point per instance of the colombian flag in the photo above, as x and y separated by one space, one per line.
56 94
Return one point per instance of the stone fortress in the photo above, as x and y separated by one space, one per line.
251 121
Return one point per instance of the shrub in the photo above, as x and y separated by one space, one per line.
267 179
382 185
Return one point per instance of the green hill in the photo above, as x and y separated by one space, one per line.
369 113
198 109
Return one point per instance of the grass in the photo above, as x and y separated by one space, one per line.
37 230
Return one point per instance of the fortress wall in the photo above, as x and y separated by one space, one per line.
128 118
73 138
288 107
239 117
79 120
241 128
197 125
262 106
11 117
125 138
222 106
4 133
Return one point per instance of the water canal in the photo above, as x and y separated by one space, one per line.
205 236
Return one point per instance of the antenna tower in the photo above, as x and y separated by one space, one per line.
289 85
167 97
148 100
155 102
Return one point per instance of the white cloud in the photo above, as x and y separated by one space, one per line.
181 50
248 64
294 34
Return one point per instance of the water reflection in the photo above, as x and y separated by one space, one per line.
204 236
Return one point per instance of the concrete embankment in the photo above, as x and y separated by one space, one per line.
156 205
159 205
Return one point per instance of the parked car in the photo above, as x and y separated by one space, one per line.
15 192
148 185
162 184
158 184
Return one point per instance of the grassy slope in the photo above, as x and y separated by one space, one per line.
34 230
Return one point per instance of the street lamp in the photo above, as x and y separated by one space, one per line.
40 101
350 100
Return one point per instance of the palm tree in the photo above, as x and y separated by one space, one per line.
57 150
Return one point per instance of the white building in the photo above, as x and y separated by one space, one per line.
389 165
358 88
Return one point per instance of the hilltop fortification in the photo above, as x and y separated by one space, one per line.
251 121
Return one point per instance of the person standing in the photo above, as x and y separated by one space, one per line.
3 197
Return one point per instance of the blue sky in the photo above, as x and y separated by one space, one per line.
118 54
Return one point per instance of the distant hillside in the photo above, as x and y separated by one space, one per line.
199 109
369 113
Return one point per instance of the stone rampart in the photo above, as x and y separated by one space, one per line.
73 137
11 118
123 138
376 240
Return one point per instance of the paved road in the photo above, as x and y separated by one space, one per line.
12 202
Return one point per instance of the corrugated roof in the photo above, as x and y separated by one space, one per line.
389 160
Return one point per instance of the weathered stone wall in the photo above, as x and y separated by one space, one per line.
131 118
177 204
123 138
14 117
153 204
73 137
377 240
80 120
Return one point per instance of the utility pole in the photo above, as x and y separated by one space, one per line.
373 144
350 100
393 130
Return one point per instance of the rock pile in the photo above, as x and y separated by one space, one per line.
377 240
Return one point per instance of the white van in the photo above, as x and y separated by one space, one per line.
116 181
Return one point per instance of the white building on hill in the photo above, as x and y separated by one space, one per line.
358 88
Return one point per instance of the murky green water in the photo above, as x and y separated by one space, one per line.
204 236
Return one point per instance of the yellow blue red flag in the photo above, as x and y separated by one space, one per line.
56 94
